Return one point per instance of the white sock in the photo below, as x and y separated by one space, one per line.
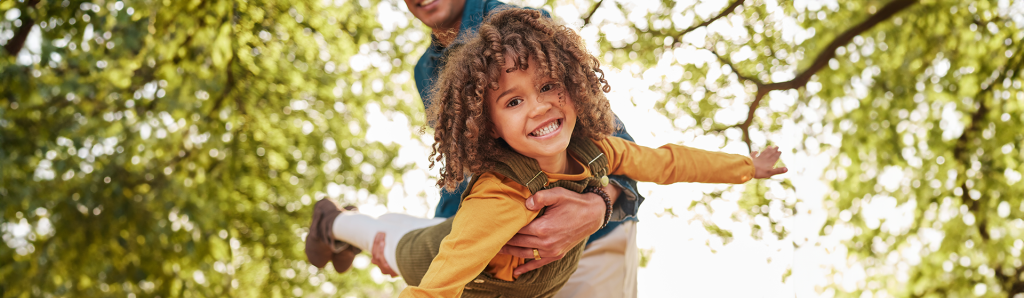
360 229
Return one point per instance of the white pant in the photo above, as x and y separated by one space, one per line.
608 266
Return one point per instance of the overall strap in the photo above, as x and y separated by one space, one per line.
520 169
526 171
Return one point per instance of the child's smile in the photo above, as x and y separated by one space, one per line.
547 130
533 114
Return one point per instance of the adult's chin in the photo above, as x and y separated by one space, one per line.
438 20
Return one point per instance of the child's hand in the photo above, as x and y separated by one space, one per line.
764 163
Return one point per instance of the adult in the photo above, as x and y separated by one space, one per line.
609 263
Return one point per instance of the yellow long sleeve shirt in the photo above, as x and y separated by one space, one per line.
495 209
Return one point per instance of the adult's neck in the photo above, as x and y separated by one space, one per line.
447 34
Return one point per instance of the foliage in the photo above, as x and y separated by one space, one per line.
173 148
919 104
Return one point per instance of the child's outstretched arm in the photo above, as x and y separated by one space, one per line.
675 163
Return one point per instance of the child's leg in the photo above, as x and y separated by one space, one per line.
360 229
357 229
404 223
417 248
405 220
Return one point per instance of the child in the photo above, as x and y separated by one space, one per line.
521 108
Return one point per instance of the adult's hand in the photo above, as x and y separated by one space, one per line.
377 255
569 218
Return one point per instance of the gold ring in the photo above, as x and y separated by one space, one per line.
536 255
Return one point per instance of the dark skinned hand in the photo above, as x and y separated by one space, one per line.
570 217
377 255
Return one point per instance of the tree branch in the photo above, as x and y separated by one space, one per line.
586 20
1013 70
960 149
726 61
745 126
1012 286
820 61
15 44
229 84
829 51
725 12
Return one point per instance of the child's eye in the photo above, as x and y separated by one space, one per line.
548 87
514 102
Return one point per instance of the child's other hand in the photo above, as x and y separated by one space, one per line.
764 163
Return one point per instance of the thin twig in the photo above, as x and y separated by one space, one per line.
745 126
726 61
229 85
586 20
16 42
725 12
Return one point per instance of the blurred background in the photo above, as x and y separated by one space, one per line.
174 148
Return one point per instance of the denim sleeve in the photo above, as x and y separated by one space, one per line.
630 199
450 200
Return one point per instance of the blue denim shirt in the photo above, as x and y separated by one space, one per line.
426 72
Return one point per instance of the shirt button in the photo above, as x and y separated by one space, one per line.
479 281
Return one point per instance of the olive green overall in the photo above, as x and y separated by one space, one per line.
418 248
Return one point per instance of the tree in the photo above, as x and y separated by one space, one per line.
173 148
920 107
169 148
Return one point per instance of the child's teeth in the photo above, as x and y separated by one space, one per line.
546 130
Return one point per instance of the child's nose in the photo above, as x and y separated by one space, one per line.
541 107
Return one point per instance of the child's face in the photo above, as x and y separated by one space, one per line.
532 112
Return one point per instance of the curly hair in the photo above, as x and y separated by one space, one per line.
461 140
